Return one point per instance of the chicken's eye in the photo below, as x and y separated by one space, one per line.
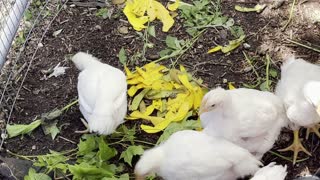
212 105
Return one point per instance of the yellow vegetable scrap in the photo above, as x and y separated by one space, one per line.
231 46
140 12
231 86
171 93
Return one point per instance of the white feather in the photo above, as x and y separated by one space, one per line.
102 93
197 156
250 118
271 172
311 92
295 74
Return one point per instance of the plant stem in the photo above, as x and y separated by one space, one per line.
69 105
21 156
145 39
144 142
267 71
184 48
303 45
249 62
194 39
290 15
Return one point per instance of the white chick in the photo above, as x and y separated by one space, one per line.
311 92
249 118
271 172
102 91
195 155
295 74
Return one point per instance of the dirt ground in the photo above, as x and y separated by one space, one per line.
84 31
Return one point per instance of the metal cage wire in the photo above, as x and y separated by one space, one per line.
11 12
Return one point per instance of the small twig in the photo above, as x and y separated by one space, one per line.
21 156
290 16
303 45
249 62
69 105
267 71
67 140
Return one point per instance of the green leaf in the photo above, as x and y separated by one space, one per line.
152 31
86 171
50 128
126 133
165 52
27 15
137 99
52 114
175 127
103 12
33 175
265 86
131 151
172 42
273 73
122 177
21 129
87 144
122 56
236 31
105 152
54 160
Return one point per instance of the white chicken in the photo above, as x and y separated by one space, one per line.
195 155
249 118
311 92
295 74
271 172
102 91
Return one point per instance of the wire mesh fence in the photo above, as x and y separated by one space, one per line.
11 12
32 21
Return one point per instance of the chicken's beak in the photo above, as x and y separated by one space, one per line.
202 110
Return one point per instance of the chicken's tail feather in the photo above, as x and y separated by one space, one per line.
149 162
83 60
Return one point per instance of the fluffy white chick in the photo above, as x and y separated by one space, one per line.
295 74
102 91
249 118
271 172
195 155
311 92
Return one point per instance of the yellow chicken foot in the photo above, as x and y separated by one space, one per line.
296 147
86 125
314 129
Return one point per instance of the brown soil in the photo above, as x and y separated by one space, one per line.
84 31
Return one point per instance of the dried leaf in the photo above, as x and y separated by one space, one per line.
231 46
174 6
257 8
135 11
137 99
56 33
230 86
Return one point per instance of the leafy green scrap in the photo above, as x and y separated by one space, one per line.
33 175
131 151
22 129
